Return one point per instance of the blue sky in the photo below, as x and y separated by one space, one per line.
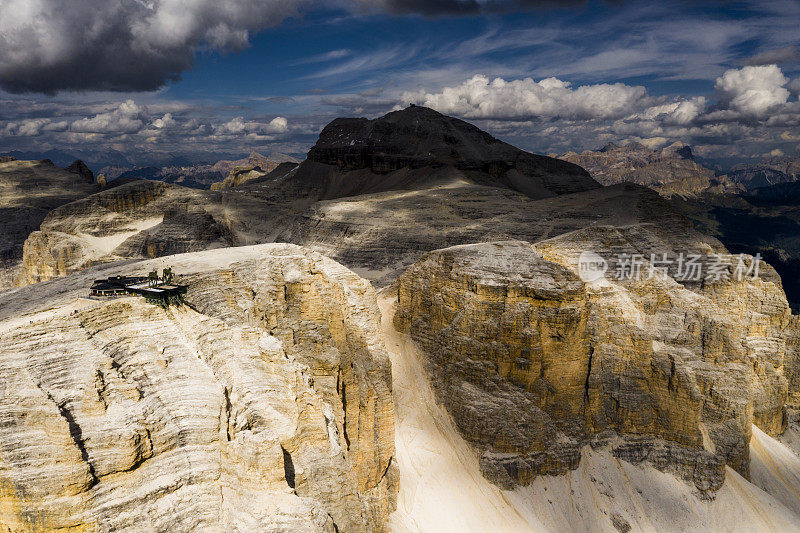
722 76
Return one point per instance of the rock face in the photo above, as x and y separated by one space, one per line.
29 190
381 235
407 150
670 171
267 163
80 168
140 219
533 363
764 221
264 403
243 174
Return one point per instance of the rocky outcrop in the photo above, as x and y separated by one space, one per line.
263 403
140 219
267 163
671 171
29 190
243 174
238 176
533 363
79 167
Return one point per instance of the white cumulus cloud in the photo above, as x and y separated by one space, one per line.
480 97
126 118
754 90
239 126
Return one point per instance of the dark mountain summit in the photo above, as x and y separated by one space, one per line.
416 146
80 168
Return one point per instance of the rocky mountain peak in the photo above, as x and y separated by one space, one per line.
610 147
682 150
418 137
415 136
80 168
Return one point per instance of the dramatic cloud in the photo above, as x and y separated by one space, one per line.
753 91
750 112
139 45
120 45
149 130
238 126
32 127
480 97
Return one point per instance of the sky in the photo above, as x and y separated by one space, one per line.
145 81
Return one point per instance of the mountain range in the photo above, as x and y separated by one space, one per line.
400 330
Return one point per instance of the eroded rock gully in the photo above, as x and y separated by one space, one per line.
264 403
532 363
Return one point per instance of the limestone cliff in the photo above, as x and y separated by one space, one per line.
263 403
533 363
29 190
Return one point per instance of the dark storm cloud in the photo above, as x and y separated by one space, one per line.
120 45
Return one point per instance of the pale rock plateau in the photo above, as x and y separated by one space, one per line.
262 403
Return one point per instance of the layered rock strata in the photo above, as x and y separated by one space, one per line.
263 403
533 363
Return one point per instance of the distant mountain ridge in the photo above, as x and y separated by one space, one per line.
670 171
197 175
766 173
